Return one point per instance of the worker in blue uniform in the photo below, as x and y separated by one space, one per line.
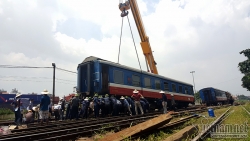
74 107
132 104
96 105
125 106
101 105
107 106
143 105
115 106
146 104
85 105
119 106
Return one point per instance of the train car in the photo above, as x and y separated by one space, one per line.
100 76
7 99
213 96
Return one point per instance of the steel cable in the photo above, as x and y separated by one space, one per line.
120 41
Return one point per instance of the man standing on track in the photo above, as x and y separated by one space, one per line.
74 107
172 102
164 102
44 107
96 105
17 104
137 96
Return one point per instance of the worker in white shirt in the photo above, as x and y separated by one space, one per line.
57 110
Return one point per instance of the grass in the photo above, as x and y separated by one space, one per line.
238 116
162 134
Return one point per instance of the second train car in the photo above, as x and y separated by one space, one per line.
100 76
213 96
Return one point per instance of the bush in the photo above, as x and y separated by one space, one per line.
5 111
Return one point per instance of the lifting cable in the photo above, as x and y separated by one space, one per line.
136 54
134 44
120 41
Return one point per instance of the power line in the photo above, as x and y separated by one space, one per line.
10 66
37 81
66 70
24 77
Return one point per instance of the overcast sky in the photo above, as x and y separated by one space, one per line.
204 36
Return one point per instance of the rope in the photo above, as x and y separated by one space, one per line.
136 53
120 41
134 44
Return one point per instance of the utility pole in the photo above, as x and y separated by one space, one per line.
54 71
193 79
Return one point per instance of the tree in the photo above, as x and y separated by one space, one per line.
197 96
245 69
14 91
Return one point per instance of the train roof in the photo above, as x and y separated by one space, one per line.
93 58
213 88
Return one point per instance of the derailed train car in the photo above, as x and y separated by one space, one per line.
100 76
213 96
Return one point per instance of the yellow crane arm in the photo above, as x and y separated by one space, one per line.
146 48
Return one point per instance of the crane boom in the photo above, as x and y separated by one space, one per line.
146 48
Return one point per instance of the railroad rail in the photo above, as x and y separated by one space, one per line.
245 109
85 128
72 129
203 134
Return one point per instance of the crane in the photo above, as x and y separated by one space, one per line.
146 48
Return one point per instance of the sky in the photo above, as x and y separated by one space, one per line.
204 36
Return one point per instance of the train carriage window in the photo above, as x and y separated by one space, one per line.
147 82
173 88
135 80
157 84
118 77
191 91
186 90
180 89
166 86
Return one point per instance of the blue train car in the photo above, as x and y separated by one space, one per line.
7 99
100 76
212 96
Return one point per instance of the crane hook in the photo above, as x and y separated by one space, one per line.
124 7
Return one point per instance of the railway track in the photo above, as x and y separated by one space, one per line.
66 130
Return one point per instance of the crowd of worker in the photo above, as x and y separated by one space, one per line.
76 108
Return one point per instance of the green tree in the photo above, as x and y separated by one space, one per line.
245 69
197 96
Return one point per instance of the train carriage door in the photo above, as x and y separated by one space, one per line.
208 96
83 78
105 79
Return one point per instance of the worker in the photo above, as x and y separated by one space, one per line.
96 105
29 118
137 96
101 105
74 107
172 102
131 104
115 110
44 107
107 105
57 109
62 101
85 105
164 101
143 105
146 104
68 110
50 108
16 104
91 106
125 106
